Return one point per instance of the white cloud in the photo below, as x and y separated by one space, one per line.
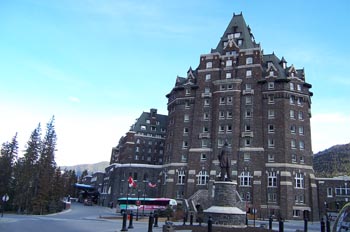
74 99
329 129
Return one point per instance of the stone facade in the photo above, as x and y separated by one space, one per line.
261 107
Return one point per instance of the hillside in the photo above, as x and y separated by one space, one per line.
97 167
333 161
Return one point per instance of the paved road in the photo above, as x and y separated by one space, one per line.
82 218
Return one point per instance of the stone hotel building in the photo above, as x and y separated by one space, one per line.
257 103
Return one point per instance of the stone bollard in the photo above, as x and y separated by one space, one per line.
281 225
130 221
210 224
150 223
155 220
124 222
191 219
323 226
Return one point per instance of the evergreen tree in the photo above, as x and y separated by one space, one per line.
8 157
26 173
47 168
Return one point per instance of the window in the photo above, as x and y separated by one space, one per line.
248 73
248 100
221 114
220 142
299 87
207 77
299 199
206 116
184 144
271 99
183 158
301 130
246 156
203 157
249 60
271 85
299 101
291 114
291 86
229 100
296 213
228 75
329 192
228 63
292 144
209 65
299 180
271 143
229 128
271 158
271 128
240 42
300 115
186 118
301 145
222 100
222 87
248 86
206 90
248 113
247 142
292 100
206 102
205 129
229 114
292 129
143 127
181 177
294 158
272 179
202 177
221 128
301 159
271 114
187 104
204 143
271 73
245 179
148 121
185 130
246 127
272 197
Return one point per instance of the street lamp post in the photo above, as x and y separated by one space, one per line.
137 206
144 198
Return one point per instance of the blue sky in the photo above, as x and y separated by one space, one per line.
98 64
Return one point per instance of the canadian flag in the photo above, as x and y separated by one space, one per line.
131 182
152 185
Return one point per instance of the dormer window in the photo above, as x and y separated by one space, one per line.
237 34
249 60
228 75
240 42
188 91
207 77
272 73
209 64
228 63
230 36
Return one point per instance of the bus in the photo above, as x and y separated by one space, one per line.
145 205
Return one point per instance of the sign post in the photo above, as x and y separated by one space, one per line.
4 199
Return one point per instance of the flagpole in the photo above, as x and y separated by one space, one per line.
127 197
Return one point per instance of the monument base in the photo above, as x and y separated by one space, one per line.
224 210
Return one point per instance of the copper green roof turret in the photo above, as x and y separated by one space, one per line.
238 32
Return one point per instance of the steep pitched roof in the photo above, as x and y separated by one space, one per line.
240 31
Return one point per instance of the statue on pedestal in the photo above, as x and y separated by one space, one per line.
225 163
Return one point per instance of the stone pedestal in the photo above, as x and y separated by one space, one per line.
228 208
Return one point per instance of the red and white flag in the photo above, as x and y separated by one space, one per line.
152 185
131 182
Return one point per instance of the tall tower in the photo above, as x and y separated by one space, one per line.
261 107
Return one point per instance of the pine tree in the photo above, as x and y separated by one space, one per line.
26 173
46 167
8 157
